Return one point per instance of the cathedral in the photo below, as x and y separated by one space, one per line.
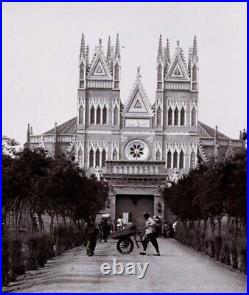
136 147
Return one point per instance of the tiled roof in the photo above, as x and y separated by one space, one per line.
69 127
206 131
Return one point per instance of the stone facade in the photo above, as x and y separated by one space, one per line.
138 146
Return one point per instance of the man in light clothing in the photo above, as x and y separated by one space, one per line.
120 224
150 235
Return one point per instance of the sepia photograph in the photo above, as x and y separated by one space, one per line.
124 147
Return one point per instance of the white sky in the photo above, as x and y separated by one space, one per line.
41 44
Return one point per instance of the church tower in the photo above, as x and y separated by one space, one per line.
98 102
177 96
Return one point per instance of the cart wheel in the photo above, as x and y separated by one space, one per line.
125 246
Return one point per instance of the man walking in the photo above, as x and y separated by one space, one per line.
150 235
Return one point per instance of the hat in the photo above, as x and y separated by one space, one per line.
146 213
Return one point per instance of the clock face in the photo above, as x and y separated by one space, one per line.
137 150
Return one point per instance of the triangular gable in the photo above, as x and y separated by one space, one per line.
138 102
99 69
177 70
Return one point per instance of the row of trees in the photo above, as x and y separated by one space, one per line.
210 191
34 182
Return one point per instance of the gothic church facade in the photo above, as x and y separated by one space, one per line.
136 146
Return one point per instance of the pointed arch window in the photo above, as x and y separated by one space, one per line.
92 115
182 118
193 117
91 158
170 113
80 157
158 116
181 162
116 74
103 158
97 158
192 160
104 115
175 155
159 73
115 116
158 154
169 160
81 72
115 155
98 115
176 117
194 74
81 115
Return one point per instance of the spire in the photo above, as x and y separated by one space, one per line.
82 46
160 49
216 143
189 60
168 52
87 57
28 133
108 54
117 48
195 51
100 44
167 56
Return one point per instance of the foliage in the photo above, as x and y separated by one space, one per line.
37 183
210 191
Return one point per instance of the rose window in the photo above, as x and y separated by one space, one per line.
137 150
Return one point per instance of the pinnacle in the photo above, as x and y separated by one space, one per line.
117 48
160 49
82 46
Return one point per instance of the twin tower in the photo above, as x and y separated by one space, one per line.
99 86
168 126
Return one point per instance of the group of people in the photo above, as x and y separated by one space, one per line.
102 230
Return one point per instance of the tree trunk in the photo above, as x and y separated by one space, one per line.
64 219
57 219
41 224
51 223
19 216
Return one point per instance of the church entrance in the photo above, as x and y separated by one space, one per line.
132 207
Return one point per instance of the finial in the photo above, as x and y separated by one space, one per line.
178 43
138 73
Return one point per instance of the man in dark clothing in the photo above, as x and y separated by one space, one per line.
105 227
91 234
150 235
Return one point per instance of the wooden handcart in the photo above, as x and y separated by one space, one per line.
125 244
